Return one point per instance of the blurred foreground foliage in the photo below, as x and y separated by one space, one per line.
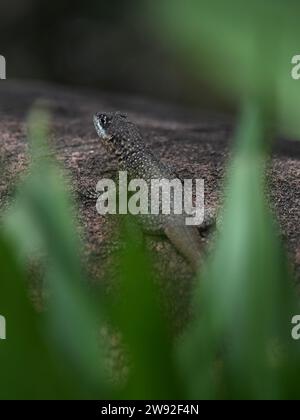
239 344
241 48
60 353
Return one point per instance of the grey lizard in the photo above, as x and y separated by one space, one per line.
123 139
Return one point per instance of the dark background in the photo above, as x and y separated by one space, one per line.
106 45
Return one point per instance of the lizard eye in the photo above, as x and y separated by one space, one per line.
104 119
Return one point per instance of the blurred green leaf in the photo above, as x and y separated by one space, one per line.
241 342
239 47
72 319
138 315
27 368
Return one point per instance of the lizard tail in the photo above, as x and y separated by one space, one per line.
187 241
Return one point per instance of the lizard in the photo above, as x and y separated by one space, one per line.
123 140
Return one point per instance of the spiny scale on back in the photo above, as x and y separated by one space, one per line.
123 139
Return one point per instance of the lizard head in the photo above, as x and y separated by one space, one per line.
114 129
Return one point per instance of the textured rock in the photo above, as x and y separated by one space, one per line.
195 144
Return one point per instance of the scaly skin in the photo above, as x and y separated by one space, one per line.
123 139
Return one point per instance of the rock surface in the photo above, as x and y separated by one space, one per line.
195 144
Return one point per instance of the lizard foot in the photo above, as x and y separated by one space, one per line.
210 221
